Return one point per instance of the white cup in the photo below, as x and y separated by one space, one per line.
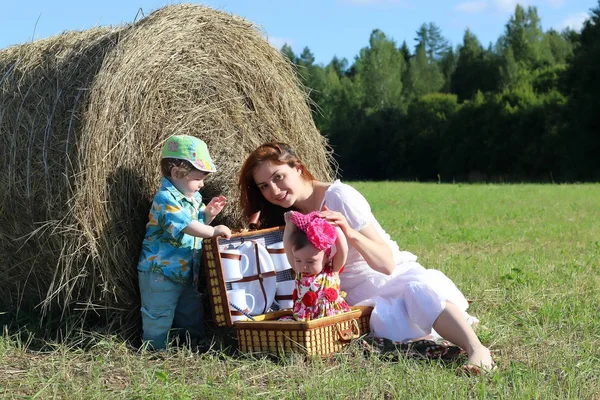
284 292
238 298
234 264
277 253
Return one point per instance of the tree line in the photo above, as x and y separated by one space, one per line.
526 108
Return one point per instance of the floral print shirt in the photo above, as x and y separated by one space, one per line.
318 295
166 249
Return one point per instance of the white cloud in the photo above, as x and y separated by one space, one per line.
574 22
556 3
508 5
472 7
505 6
278 42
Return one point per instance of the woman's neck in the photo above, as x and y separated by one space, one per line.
313 196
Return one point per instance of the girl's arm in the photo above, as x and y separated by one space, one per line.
367 242
341 251
287 243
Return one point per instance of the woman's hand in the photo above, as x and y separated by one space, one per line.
336 219
213 208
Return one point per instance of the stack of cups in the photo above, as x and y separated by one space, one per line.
239 298
234 265
285 289
284 293
277 254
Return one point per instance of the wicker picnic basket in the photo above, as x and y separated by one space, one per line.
323 336
265 333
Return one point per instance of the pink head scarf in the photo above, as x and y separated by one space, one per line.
318 231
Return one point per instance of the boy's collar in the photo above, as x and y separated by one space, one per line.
167 184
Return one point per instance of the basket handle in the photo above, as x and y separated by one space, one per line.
348 334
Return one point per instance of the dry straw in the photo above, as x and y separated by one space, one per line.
82 118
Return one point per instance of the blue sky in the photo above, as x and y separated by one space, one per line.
327 27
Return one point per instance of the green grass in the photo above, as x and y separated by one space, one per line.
528 255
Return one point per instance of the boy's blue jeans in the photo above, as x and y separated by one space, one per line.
168 305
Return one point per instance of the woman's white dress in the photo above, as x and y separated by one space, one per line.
407 302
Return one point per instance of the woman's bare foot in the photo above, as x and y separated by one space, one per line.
479 361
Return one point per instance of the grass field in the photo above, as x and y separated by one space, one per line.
528 255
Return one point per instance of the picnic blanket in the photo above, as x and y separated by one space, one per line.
421 349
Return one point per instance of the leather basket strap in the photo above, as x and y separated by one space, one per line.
276 251
255 277
260 276
231 256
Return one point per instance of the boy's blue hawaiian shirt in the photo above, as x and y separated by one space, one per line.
166 249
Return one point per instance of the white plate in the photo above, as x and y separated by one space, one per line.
261 305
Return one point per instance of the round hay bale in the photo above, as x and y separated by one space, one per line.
43 91
82 119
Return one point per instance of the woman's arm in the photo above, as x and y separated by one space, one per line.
367 242
341 251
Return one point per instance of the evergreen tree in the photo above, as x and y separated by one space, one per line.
571 36
312 77
474 70
422 37
405 52
435 45
524 37
510 70
287 51
448 65
561 49
583 77
380 67
339 66
422 77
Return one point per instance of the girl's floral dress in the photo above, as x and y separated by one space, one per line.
318 295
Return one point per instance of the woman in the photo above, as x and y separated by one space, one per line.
410 302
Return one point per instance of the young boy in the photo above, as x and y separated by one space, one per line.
170 258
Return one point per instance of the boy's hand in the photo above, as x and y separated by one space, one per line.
222 230
216 205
